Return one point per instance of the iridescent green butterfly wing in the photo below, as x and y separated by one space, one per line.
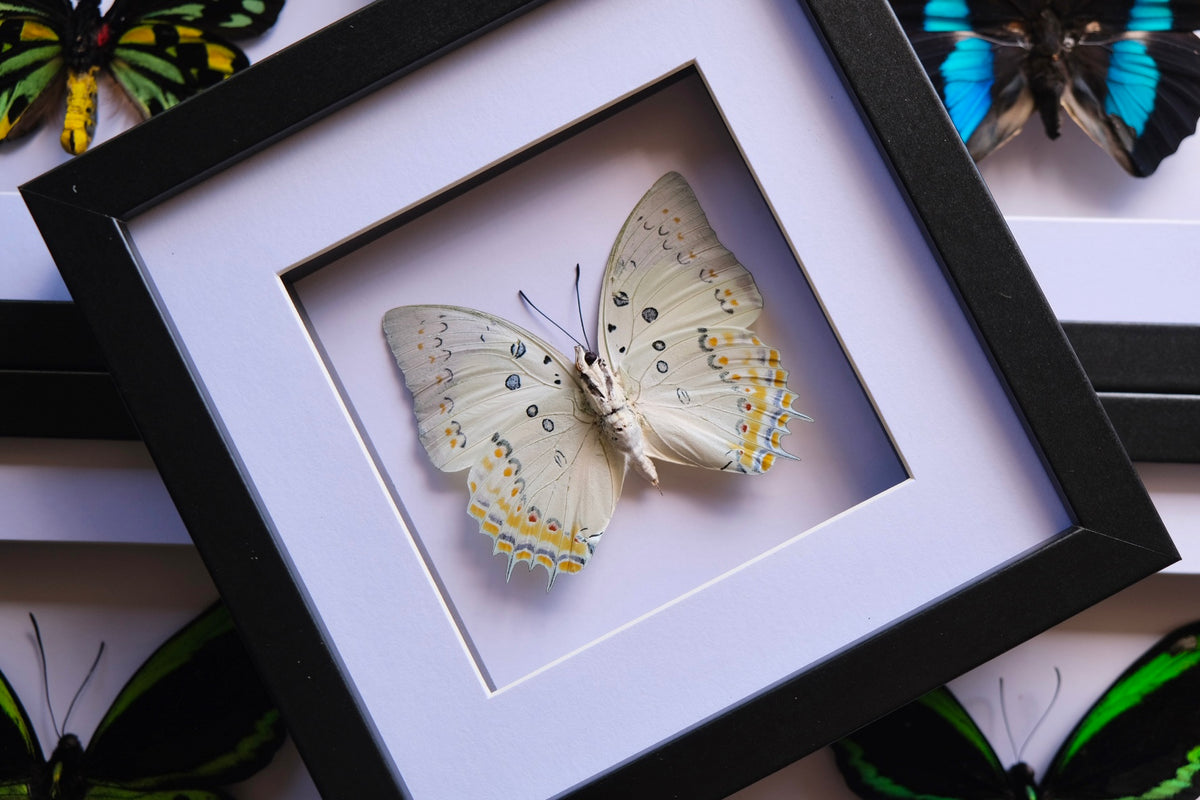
32 60
192 719
1140 741
160 52
21 761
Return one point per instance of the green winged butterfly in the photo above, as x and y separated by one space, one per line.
159 51
1139 741
193 718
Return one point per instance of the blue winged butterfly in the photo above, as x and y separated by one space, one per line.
1139 741
1127 71
192 719
160 52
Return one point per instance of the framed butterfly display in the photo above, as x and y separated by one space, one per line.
193 719
925 494
1137 741
159 52
1127 71
681 378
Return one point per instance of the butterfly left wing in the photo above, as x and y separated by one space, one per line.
930 748
20 753
193 718
1141 739
31 61
494 398
974 59
674 314
167 50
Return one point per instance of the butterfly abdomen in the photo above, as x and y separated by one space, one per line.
616 416
79 124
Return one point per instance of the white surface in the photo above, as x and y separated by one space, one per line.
130 597
1090 649
84 491
26 270
331 509
1175 489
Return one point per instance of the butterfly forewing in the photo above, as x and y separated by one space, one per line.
930 748
20 753
194 717
1142 737
494 398
231 18
674 312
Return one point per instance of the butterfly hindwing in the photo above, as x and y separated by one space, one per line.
496 399
193 718
674 316
1137 97
1141 739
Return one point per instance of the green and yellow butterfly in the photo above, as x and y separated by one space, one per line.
193 718
159 51
1140 741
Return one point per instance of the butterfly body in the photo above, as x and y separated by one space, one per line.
192 719
1139 741
678 377
160 52
618 420
1127 71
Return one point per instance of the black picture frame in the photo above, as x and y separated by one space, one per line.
83 210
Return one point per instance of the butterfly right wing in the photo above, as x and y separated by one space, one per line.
1141 739
31 61
930 748
166 51
974 61
193 718
494 398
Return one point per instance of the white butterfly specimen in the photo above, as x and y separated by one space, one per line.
678 377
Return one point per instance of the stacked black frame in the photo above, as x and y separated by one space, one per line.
81 209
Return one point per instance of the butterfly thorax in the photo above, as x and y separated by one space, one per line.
1020 780
1046 68
61 778
85 35
616 416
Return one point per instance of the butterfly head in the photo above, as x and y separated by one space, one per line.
1020 778
63 776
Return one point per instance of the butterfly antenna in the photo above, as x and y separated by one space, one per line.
1046 713
579 308
1012 743
37 633
546 316
86 678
